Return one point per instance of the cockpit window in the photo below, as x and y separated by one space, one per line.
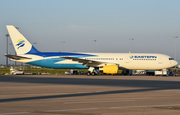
171 58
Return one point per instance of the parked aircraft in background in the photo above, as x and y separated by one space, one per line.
106 62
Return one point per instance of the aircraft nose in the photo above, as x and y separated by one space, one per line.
175 63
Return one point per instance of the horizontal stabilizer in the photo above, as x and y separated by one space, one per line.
16 57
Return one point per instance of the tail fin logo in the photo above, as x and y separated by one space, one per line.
20 43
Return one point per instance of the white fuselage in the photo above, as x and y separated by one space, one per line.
133 61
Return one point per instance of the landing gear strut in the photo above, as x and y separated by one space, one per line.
92 71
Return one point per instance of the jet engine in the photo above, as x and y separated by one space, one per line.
110 69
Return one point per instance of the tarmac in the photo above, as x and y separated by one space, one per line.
89 95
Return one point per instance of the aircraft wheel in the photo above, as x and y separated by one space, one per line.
93 73
88 73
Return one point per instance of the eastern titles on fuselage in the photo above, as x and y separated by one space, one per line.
153 57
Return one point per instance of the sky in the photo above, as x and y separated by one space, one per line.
152 24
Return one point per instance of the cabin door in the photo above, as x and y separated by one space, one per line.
127 59
160 60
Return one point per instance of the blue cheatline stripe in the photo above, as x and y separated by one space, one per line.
49 63
34 51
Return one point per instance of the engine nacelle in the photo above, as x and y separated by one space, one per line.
110 69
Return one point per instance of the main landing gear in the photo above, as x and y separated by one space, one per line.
92 71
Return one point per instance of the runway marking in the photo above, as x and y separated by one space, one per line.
72 109
65 113
144 106
14 113
49 111
92 109
97 101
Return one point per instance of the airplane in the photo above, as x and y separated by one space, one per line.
108 63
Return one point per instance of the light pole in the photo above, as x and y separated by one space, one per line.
63 44
15 50
10 53
131 44
94 45
7 35
175 45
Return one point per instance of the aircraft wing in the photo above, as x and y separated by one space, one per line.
16 57
87 62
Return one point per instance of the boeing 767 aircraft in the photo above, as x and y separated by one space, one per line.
106 62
